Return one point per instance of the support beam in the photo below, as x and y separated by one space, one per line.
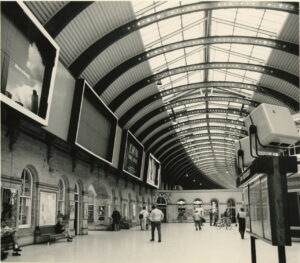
171 138
154 139
109 78
98 46
138 124
64 16
277 73
164 131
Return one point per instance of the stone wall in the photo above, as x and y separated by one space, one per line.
189 196
111 190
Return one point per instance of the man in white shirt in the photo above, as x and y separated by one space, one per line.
156 216
143 215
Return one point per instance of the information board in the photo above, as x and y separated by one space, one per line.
153 171
47 208
92 124
131 155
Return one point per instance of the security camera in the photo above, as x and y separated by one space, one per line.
274 126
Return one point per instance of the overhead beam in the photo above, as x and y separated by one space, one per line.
183 150
64 16
138 124
123 96
98 46
291 102
109 78
165 150
198 151
158 146
154 138
164 131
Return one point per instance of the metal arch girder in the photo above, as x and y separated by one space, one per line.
64 16
153 113
205 159
109 78
119 100
88 55
142 104
168 147
215 149
179 172
182 180
180 151
190 130
190 145
235 137
185 123
178 158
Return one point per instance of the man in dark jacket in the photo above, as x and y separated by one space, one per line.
116 216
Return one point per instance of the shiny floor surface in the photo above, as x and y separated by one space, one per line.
180 243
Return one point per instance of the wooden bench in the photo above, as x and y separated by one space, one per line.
6 242
44 234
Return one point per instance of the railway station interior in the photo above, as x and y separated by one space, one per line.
118 107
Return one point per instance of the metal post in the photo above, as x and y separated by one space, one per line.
253 249
281 254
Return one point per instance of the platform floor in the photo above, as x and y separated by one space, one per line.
180 243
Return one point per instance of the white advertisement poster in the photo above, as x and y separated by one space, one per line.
47 208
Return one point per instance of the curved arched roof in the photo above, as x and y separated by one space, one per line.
181 76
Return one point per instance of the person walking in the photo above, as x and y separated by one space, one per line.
116 216
197 219
143 216
241 217
156 216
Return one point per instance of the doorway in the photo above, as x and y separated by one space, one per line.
162 205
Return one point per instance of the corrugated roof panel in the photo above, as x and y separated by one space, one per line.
113 56
167 124
126 80
284 61
151 121
44 10
290 31
280 85
267 99
136 98
143 112
92 23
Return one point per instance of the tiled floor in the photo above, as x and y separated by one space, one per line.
180 243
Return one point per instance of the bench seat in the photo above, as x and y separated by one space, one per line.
43 234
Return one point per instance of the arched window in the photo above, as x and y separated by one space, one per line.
161 201
181 210
61 197
25 199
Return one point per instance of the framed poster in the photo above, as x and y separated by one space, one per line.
153 171
92 125
47 208
131 155
72 209
29 58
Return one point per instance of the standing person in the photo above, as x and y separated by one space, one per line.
210 217
197 219
156 216
143 216
116 216
241 217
